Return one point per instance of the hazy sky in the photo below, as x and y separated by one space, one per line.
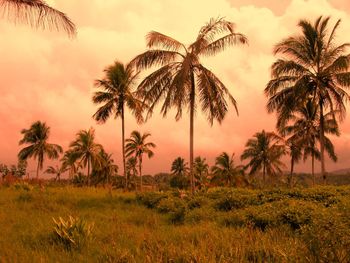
45 76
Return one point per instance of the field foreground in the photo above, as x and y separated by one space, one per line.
222 225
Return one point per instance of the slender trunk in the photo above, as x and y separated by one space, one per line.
37 170
264 181
140 167
88 173
123 149
291 173
323 168
313 169
192 101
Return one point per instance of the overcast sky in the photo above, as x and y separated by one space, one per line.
46 76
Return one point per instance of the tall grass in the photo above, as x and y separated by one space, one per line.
125 230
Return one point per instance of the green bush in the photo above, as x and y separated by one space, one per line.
73 232
23 186
150 199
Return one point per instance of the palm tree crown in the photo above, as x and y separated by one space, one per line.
225 169
181 80
37 136
264 151
179 167
37 13
313 66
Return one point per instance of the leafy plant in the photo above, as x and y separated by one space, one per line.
73 232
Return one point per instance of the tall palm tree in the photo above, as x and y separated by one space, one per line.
312 66
303 127
295 151
264 151
86 150
116 94
56 170
37 14
225 169
137 146
181 80
179 167
37 136
70 162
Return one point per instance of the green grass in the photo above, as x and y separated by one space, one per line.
223 225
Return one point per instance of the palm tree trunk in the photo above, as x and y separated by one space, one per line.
37 170
291 173
313 169
88 173
323 168
140 171
192 100
264 181
123 148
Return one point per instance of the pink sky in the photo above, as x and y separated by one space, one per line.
45 76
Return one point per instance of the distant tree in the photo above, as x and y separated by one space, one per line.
37 136
201 171
182 80
137 146
264 152
106 169
131 169
37 14
55 170
225 170
179 167
70 163
116 94
86 151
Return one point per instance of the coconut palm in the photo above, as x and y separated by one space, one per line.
86 151
37 14
116 94
225 170
295 151
70 162
179 167
137 146
264 152
181 80
131 170
201 171
56 170
303 127
37 137
105 168
312 66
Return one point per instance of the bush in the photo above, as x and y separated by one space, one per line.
150 199
23 186
73 232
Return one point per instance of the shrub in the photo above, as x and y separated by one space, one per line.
23 186
73 232
150 199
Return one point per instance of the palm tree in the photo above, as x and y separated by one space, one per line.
131 170
57 170
86 150
106 168
37 14
179 167
313 66
70 162
116 94
201 171
295 151
303 127
181 80
225 169
264 151
136 145
37 136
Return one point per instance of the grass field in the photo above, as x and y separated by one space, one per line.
222 225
